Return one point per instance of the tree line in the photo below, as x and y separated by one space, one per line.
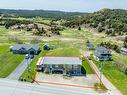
38 13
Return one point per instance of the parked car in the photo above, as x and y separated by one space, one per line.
89 57
27 56
31 56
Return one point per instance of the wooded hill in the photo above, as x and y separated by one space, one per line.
111 21
39 13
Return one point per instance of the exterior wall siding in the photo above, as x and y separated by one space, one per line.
25 52
66 69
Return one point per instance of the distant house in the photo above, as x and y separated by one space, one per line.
62 65
103 54
25 49
46 47
90 46
123 50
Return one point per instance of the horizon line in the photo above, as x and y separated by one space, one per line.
56 10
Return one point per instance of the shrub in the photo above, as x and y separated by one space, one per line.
100 87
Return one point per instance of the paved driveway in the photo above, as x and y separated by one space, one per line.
20 69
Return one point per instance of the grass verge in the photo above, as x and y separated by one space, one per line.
86 65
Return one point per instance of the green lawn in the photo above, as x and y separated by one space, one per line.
118 78
8 61
3 49
86 65
64 52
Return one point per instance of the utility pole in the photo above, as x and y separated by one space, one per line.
100 69
100 75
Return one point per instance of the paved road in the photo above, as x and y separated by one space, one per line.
111 88
11 87
19 70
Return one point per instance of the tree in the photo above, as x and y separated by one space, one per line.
79 28
113 33
100 29
87 41
36 26
125 44
125 40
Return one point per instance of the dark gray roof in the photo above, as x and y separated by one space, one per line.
102 50
90 45
124 49
25 46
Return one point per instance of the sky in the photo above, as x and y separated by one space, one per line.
64 5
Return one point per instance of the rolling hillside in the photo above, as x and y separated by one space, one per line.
111 21
41 13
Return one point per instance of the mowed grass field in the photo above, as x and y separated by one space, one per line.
8 61
64 52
